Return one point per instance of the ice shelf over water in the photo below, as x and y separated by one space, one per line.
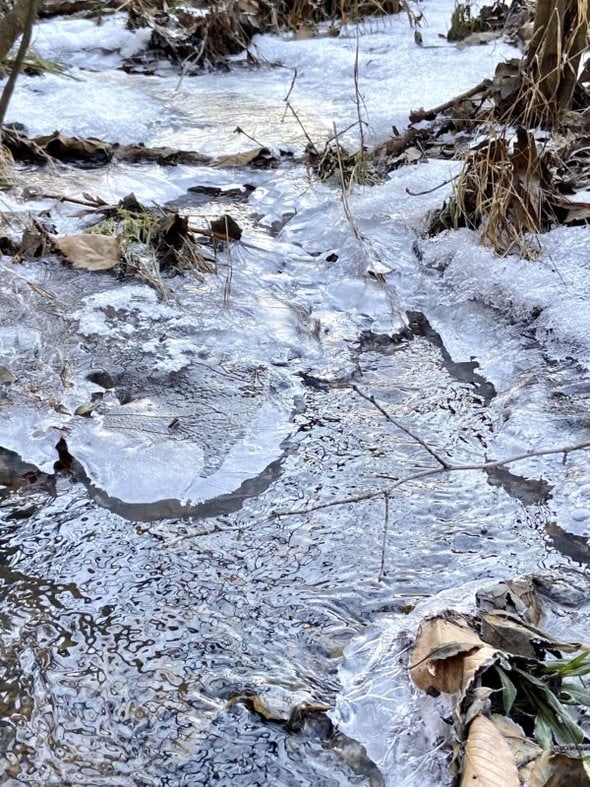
207 382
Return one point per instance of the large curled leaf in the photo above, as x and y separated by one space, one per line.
447 655
488 761
92 252
506 632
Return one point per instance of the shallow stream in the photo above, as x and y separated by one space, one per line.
153 606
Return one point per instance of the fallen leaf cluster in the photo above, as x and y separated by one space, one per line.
518 701
131 238
89 152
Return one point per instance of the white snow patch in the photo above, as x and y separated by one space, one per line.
395 75
550 293
86 43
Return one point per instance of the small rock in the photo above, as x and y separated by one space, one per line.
6 376
102 378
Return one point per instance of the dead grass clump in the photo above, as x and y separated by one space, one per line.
295 14
34 65
6 175
152 241
506 190
549 72
335 163
463 23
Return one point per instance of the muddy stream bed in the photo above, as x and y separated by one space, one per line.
158 623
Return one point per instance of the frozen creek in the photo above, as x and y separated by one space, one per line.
125 644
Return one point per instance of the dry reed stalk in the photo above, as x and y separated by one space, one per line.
506 191
550 70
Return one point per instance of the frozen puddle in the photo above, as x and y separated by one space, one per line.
191 436
183 439
149 411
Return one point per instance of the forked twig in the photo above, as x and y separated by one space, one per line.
386 493
442 467
371 494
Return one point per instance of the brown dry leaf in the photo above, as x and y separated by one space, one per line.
523 749
487 761
89 151
413 154
506 632
577 210
517 595
259 157
557 770
238 159
248 6
92 252
225 228
479 698
6 376
525 599
304 32
34 243
447 655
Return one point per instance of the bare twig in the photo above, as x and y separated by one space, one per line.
310 141
371 494
230 268
386 493
95 203
239 130
337 134
35 287
18 60
442 462
357 96
425 114
288 96
384 541
218 527
434 188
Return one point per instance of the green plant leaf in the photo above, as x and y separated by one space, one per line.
556 716
576 667
543 732
575 693
509 691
